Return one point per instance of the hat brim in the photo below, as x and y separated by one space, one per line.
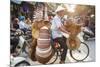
60 10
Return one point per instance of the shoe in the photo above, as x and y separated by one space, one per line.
62 62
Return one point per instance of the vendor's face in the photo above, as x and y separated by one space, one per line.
61 13
16 20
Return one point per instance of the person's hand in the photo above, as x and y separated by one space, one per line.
68 33
13 29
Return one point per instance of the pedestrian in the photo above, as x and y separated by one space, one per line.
15 23
28 21
22 24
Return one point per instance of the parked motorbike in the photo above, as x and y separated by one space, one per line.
88 34
19 61
20 51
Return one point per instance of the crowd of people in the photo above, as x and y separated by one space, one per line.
56 26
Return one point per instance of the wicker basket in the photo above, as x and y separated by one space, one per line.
43 50
73 43
35 33
44 60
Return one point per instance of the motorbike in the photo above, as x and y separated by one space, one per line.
19 61
19 52
88 34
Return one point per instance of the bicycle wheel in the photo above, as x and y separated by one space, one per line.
81 53
54 58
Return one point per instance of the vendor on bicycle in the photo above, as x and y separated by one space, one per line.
56 28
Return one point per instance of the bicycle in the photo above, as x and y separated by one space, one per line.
77 54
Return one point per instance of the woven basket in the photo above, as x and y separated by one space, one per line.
35 33
44 60
73 43
43 50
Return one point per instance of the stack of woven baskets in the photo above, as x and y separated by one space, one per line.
44 50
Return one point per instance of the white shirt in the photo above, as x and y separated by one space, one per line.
22 25
56 23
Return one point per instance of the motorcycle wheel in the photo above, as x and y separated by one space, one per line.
23 63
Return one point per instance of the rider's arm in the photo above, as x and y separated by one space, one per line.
60 26
63 29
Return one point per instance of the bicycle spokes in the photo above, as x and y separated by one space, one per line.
81 53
